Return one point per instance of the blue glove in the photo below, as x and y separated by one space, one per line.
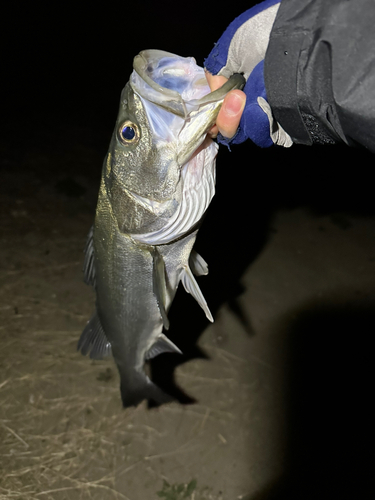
241 49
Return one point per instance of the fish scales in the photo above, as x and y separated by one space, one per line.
158 179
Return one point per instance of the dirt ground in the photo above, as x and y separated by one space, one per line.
273 399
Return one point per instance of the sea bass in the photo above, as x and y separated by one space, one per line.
157 181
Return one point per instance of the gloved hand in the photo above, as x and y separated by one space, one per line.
241 49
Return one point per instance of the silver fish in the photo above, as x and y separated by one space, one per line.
157 181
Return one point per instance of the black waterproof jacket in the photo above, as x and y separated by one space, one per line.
320 71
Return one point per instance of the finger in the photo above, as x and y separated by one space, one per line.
229 116
213 132
230 113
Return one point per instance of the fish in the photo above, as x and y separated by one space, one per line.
157 181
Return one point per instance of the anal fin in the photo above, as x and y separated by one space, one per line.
93 340
140 387
162 344
191 286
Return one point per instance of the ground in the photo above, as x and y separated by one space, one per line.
274 398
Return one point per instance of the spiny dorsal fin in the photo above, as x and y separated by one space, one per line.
197 264
88 263
191 286
160 285
162 344
93 340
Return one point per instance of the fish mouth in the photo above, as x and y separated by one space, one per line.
177 99
148 86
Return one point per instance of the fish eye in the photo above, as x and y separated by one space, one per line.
128 133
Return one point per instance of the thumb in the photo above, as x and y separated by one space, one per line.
230 114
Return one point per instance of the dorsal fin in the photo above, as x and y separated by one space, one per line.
162 344
93 340
191 286
88 263
160 285
197 264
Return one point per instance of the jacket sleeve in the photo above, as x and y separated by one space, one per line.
320 71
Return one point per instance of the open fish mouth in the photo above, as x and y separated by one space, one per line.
175 83
155 75
177 99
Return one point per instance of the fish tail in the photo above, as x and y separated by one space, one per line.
139 388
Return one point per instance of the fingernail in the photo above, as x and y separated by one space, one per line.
233 104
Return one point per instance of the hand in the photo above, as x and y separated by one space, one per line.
230 113
242 49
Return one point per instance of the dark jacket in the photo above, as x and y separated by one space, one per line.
320 71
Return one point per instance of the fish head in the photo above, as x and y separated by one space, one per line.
137 162
159 149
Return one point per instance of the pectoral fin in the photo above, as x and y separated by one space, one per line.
197 264
93 340
162 344
160 285
191 286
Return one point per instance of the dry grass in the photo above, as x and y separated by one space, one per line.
65 436
53 437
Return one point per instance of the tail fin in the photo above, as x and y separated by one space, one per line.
139 387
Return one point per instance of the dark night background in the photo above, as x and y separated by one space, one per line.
63 71
64 68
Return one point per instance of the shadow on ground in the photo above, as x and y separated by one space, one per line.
330 441
250 189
